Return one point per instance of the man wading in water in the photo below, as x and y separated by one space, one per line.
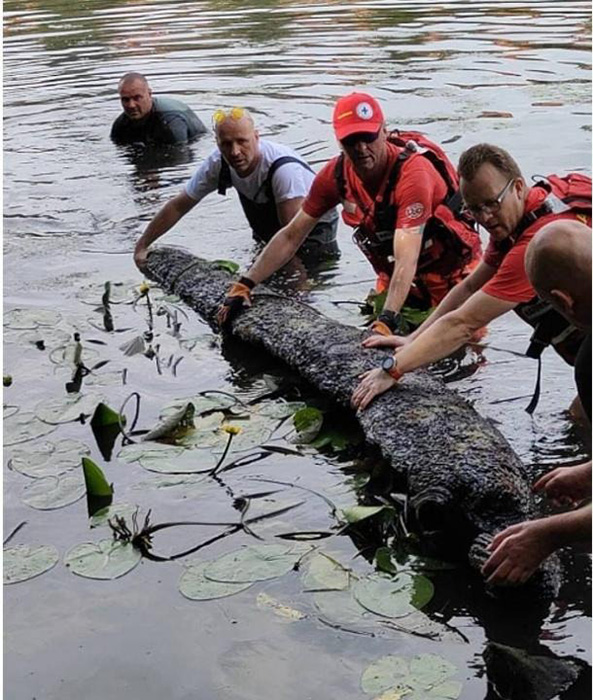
271 180
497 196
399 192
152 120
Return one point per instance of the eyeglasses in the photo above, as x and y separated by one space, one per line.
221 114
491 206
365 137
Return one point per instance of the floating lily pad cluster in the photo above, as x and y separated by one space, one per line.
422 677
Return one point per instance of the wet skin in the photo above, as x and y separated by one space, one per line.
500 220
136 99
238 142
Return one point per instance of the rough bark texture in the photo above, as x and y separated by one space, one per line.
463 478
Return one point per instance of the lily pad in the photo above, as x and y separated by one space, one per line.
122 510
341 607
355 514
196 461
195 586
29 319
424 677
393 596
132 453
255 563
279 409
325 574
49 458
106 559
24 426
66 409
52 492
26 561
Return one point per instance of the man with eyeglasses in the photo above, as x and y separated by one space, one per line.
271 180
497 196
400 196
152 120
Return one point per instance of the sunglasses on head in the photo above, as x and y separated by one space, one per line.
363 136
221 114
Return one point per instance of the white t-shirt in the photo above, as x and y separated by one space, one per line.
290 180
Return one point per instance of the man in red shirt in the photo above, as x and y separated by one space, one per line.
401 200
497 196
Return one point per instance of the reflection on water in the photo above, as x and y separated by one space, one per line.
74 204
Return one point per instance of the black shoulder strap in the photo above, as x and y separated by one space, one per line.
224 177
385 211
279 162
339 175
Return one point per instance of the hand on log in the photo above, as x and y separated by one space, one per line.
385 341
238 297
140 256
373 383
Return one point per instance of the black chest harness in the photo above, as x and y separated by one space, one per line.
262 216
550 326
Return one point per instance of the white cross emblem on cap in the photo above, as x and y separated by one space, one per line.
364 110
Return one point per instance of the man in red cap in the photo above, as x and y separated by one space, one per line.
400 196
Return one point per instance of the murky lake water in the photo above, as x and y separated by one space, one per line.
74 204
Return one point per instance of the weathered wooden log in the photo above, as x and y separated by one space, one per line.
463 478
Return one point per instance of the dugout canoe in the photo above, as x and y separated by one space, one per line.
463 479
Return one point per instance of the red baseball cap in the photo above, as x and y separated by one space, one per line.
357 113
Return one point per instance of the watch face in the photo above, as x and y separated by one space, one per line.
388 363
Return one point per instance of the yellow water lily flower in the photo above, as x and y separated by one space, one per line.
144 287
231 429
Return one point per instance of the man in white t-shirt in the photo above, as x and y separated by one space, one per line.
271 180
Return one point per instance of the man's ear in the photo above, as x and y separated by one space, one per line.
520 187
563 301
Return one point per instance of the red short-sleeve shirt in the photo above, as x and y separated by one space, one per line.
419 190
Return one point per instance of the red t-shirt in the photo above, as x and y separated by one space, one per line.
419 190
510 282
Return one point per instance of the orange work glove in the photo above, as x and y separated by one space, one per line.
387 323
238 297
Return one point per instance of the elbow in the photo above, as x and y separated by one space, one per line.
463 328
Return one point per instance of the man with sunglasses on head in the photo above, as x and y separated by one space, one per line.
401 198
271 180
497 196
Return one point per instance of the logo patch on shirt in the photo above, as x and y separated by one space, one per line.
414 211
364 110
349 207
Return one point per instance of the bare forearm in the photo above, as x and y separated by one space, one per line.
399 286
573 527
280 250
445 336
164 220
282 247
454 299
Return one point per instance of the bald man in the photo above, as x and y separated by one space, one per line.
558 264
271 180
152 120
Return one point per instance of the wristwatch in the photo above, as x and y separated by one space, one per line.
389 365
